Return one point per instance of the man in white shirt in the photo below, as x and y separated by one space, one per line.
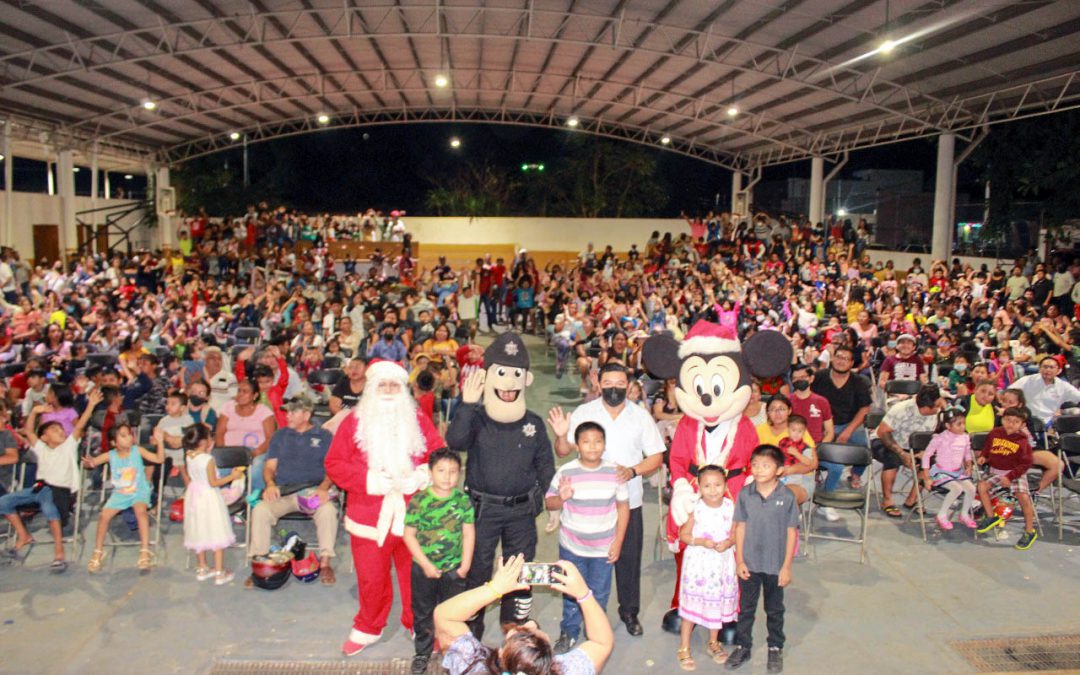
1045 391
634 444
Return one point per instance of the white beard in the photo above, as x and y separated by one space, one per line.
388 432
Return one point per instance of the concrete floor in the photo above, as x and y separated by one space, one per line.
896 613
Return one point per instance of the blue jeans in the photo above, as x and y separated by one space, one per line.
597 575
9 504
834 471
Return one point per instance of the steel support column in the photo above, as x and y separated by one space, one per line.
944 186
65 177
816 212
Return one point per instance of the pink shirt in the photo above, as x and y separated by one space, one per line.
951 450
245 431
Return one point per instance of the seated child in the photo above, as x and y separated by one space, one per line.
1008 453
57 479
171 428
950 452
131 490
800 459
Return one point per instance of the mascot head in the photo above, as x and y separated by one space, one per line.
712 370
506 363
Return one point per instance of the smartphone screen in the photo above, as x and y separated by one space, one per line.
539 574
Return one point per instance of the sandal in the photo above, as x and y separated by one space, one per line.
96 560
204 573
58 566
891 511
146 559
915 508
686 662
717 652
327 576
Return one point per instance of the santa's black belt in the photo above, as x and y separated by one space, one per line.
731 473
485 498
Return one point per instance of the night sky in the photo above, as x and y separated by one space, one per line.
392 166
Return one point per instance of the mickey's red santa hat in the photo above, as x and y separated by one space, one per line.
705 337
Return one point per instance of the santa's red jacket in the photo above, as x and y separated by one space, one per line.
688 449
347 466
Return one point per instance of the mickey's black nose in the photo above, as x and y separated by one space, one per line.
706 400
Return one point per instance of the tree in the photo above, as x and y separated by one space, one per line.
473 190
601 178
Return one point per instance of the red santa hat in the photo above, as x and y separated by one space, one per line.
705 337
383 369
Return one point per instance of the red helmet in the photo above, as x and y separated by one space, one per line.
306 570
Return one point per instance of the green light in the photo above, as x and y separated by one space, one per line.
524 167
540 168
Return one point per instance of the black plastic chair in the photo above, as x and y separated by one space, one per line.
237 348
332 362
847 499
228 457
327 377
902 387
102 360
12 369
247 335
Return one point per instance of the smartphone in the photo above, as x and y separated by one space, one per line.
539 574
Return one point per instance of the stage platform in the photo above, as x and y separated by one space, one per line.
904 611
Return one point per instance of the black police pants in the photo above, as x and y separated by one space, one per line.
628 567
515 528
426 595
749 591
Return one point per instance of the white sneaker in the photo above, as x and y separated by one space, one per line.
223 577
830 514
204 573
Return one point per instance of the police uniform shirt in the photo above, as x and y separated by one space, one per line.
505 459
628 439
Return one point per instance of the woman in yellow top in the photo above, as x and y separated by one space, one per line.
440 345
800 459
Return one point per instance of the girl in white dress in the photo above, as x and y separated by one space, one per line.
206 519
709 589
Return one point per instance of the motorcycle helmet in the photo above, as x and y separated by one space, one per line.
306 570
308 500
271 572
176 511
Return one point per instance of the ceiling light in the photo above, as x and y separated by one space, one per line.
76 170
887 46
573 121
128 176
148 104
665 140
455 142
441 81
323 118
841 212
235 136
1 158
732 111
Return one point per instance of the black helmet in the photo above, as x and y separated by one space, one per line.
271 572
274 581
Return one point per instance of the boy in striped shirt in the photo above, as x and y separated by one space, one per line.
595 512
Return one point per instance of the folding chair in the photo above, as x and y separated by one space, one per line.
905 388
248 335
844 498
163 352
1068 428
917 442
11 369
327 376
870 424
105 360
236 349
332 362
663 499
229 457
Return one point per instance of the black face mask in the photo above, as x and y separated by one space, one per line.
801 385
388 336
614 396
196 400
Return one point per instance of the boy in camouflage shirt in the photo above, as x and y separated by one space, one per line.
440 535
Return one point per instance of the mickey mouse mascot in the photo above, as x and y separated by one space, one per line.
509 468
712 373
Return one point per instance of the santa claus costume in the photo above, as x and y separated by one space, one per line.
379 457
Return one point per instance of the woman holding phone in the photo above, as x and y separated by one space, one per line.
526 648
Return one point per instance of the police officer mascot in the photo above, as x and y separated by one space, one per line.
510 464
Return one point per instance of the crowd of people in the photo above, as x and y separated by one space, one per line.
250 334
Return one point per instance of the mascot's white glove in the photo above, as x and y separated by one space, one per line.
683 500
379 483
419 479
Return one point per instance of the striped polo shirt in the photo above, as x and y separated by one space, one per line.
589 517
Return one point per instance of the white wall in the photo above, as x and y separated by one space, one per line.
902 261
31 208
542 234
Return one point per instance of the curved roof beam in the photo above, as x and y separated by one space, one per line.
305 125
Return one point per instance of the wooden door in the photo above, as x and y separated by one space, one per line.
46 243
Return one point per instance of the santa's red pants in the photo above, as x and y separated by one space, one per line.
374 591
678 577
